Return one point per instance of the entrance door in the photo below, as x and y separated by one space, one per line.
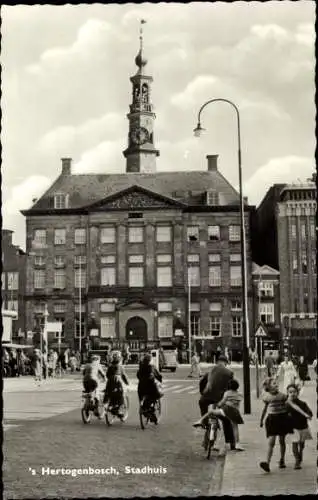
136 329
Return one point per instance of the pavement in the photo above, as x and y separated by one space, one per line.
242 473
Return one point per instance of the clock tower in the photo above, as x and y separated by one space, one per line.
141 153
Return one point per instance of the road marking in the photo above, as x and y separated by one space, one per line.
171 388
184 389
194 392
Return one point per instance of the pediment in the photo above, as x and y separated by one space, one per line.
268 270
135 304
136 198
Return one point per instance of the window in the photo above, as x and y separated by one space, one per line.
194 275
236 305
163 258
215 306
80 237
13 281
306 303
265 289
59 236
108 259
163 233
39 260
234 233
193 258
79 326
214 257
108 235
235 257
107 326
303 231
195 323
136 259
77 308
80 260
3 279
214 276
236 275
214 233
39 279
13 305
215 326
237 326
312 231
108 276
164 276
80 278
293 230
136 276
266 313
107 307
164 306
61 200
304 264
313 261
212 197
59 307
135 234
295 262
193 233
39 308
39 237
165 326
59 278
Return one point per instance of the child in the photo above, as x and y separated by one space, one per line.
277 423
228 407
300 414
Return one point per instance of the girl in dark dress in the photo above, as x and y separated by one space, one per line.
277 423
303 370
147 376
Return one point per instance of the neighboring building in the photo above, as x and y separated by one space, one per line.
266 305
120 246
286 221
13 282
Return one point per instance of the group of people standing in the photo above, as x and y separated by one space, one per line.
14 362
292 370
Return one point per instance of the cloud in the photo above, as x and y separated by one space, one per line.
196 90
106 157
22 194
278 170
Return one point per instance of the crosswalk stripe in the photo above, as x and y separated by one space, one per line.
184 389
171 388
194 392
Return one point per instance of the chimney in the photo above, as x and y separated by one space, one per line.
212 162
66 166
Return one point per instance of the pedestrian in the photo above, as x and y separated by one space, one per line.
314 365
195 366
269 364
277 423
218 352
303 370
300 414
78 359
289 372
37 365
72 362
51 363
6 362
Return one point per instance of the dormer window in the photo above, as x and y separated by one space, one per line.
212 197
61 201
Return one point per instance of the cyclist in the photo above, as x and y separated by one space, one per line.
92 373
115 377
148 391
212 388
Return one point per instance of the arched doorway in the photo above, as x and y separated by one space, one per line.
136 329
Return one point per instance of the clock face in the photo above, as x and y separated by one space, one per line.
139 135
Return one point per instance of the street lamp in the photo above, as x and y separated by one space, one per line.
246 341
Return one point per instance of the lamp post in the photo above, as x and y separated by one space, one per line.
189 314
245 324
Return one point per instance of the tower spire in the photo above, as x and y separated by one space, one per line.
140 60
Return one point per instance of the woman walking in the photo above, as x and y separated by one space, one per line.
289 372
37 365
277 423
303 370
300 414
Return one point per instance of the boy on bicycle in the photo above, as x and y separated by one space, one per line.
147 375
115 377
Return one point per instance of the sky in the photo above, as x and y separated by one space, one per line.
66 91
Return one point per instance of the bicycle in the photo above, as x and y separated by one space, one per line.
91 405
113 407
149 412
211 434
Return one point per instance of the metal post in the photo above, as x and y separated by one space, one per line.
189 314
80 308
256 368
46 314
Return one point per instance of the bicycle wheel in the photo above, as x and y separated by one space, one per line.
144 417
86 414
125 409
109 416
212 438
157 411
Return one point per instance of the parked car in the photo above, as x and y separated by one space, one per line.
168 360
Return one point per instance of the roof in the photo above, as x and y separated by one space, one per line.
188 187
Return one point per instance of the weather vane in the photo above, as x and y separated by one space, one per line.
142 21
